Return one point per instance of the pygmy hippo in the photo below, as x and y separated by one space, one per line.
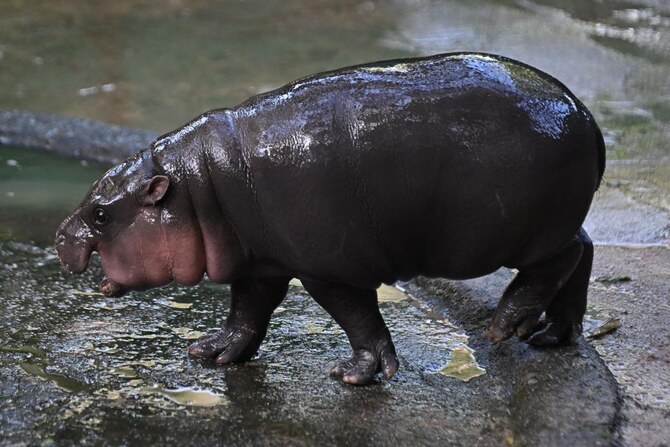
447 166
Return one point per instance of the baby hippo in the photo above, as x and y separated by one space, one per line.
447 166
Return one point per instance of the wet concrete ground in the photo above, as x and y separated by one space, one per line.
638 352
76 367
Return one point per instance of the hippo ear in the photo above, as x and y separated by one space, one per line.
154 189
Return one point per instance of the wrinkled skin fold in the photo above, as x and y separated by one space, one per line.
448 166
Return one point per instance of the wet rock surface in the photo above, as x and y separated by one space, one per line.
72 137
548 387
76 367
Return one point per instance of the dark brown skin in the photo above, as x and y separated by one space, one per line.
450 166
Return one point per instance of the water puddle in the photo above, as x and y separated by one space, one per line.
36 365
37 193
444 343
187 396
38 369
243 43
462 365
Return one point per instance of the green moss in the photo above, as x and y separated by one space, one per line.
661 111
631 49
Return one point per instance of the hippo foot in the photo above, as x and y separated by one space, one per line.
525 322
510 319
536 332
550 333
556 287
362 367
229 345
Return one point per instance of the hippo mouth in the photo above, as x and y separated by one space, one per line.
76 260
75 257
112 289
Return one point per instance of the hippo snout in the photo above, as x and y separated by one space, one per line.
60 240
73 245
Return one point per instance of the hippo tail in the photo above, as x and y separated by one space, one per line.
600 142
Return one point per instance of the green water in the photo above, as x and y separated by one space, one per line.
37 190
165 62
156 65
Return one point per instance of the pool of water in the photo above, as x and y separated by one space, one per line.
37 191
156 65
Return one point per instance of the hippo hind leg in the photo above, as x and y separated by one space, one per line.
563 317
357 312
556 287
252 304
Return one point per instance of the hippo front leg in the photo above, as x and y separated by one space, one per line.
253 301
357 312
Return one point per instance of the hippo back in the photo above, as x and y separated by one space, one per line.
449 166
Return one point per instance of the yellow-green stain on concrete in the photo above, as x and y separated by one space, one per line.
187 333
23 349
462 364
187 396
125 372
61 381
176 305
385 294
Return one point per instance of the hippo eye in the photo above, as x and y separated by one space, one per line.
100 217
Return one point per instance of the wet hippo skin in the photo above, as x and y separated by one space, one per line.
447 166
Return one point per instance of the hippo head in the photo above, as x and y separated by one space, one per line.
127 217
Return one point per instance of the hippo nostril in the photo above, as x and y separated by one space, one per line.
60 239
